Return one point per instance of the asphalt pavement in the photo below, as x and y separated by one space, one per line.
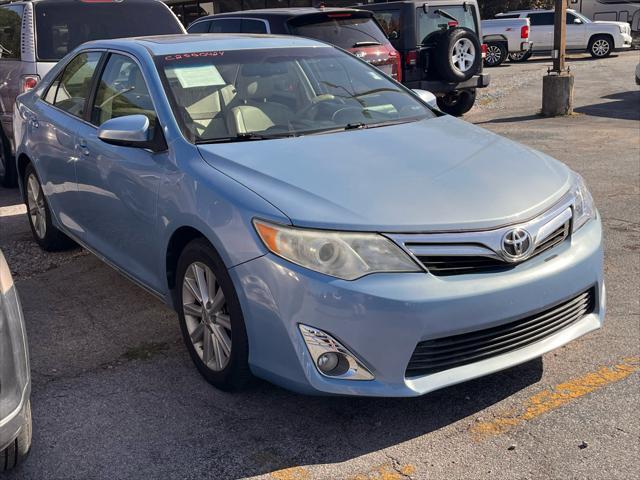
115 395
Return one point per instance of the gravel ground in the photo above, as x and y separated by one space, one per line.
115 395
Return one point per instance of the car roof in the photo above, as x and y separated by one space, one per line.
288 12
203 42
536 10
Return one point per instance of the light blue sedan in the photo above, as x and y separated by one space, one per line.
312 221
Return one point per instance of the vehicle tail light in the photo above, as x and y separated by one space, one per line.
29 82
411 58
483 48
524 32
452 24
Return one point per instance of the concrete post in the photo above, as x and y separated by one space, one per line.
557 86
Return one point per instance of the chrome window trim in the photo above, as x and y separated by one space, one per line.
486 243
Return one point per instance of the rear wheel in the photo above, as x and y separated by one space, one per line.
44 232
211 320
457 103
600 46
518 57
17 450
496 54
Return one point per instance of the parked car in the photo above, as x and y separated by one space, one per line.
312 221
597 38
353 30
440 48
610 10
15 376
503 36
35 34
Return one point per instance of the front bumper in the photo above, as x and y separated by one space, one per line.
381 318
477 81
14 422
623 41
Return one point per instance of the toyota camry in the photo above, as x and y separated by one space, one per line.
312 221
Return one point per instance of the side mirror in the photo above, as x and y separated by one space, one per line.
427 97
577 21
131 131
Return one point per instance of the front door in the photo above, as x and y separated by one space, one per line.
576 33
119 185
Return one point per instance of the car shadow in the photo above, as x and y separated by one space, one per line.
580 57
625 107
519 118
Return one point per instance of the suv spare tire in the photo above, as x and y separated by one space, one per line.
458 55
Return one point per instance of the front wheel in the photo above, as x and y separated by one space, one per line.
210 317
600 46
457 103
17 450
496 54
518 57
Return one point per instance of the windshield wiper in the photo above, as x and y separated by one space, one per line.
366 43
355 126
376 90
243 137
447 15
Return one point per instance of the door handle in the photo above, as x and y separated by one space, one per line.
82 143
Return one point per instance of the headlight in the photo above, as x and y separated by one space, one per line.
343 255
583 208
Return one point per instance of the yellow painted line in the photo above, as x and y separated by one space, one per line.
293 473
387 472
557 396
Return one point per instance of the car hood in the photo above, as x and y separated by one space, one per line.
433 175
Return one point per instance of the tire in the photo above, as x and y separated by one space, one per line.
600 46
458 55
209 332
17 451
457 103
496 54
44 232
520 57
7 165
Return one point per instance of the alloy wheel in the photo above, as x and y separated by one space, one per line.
464 54
35 206
493 54
600 48
207 316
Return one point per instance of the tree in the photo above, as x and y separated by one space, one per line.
488 8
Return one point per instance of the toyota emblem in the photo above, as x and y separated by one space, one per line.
516 244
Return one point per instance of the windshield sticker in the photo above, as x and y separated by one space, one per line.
184 56
197 76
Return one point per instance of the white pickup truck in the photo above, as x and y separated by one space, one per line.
597 38
505 36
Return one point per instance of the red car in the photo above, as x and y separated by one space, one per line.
353 30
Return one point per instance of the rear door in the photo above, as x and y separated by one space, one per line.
541 33
54 132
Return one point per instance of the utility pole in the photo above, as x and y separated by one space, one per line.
557 86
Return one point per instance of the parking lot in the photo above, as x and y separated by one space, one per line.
115 394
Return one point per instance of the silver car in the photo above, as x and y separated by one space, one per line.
15 377
35 35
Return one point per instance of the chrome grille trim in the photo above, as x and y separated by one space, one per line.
461 248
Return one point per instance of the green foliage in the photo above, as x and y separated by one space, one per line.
489 8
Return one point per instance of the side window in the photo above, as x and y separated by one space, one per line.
122 91
200 27
253 26
71 89
10 26
541 18
231 25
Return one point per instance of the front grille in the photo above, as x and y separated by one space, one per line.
432 356
465 264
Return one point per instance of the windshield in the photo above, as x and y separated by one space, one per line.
269 93
345 30
62 26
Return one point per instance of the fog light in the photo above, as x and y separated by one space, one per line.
331 358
